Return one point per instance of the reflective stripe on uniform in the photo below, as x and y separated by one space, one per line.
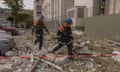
62 27
37 22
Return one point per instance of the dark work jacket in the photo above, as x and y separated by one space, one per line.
39 26
65 33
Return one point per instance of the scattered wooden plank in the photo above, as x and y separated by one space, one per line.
53 65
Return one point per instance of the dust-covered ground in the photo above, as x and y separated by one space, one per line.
24 57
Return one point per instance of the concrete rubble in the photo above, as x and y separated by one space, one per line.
116 58
24 57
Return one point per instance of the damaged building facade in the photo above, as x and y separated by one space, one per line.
55 11
37 8
106 7
105 22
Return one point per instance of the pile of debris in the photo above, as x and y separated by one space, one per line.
91 56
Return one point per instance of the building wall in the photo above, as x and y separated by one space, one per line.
114 7
79 19
87 3
50 11
56 9
37 9
118 6
82 9
98 5
77 13
103 26
4 14
111 7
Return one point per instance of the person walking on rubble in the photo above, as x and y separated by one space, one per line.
65 36
38 28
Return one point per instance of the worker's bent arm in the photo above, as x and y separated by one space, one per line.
45 27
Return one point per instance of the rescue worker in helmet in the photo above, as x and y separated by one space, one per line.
65 37
38 28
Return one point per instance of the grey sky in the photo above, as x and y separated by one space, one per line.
28 4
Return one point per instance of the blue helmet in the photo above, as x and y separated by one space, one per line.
69 21
41 17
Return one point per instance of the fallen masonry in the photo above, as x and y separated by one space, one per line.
24 58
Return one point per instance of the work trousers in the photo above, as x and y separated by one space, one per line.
69 47
39 39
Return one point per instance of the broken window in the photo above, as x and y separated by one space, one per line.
80 12
102 7
38 7
71 13
38 13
